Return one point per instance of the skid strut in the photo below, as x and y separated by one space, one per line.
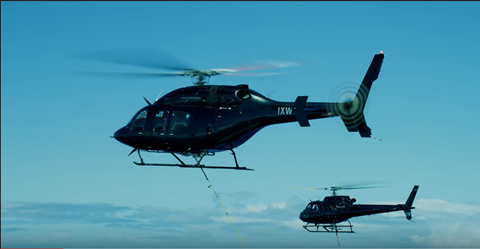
329 228
196 165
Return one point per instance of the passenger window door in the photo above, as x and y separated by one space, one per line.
179 123
160 121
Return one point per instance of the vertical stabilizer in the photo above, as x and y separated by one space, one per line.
412 196
351 112
409 203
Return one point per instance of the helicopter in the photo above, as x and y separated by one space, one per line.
335 209
201 120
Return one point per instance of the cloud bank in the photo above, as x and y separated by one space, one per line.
438 223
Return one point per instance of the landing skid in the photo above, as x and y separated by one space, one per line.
197 165
191 166
329 228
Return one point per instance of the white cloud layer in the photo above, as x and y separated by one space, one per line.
438 223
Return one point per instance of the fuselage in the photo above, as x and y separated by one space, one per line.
336 209
214 118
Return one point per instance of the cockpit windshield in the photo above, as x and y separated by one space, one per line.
137 123
313 207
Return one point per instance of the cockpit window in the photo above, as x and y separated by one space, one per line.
243 94
313 207
139 121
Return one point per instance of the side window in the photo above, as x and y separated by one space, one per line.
139 121
242 94
160 122
342 202
180 120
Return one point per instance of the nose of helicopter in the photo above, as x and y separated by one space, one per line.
301 216
121 135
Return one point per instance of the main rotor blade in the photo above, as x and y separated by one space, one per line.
250 74
342 188
145 57
128 75
265 65
361 184
316 188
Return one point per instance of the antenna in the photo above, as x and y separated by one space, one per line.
159 95
270 93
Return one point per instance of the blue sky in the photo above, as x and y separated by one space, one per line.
66 183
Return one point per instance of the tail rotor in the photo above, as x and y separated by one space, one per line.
353 101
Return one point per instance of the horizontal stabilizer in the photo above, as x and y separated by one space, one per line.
299 111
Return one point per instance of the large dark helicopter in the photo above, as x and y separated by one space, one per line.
336 209
203 119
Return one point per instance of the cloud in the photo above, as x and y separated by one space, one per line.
295 224
179 236
235 198
12 229
256 208
438 223
262 207
450 234
431 209
174 226
444 224
240 219
442 206
157 217
58 213
279 205
449 224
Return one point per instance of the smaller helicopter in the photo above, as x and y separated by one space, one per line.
335 209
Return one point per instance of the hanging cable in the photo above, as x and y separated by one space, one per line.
210 186
338 241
